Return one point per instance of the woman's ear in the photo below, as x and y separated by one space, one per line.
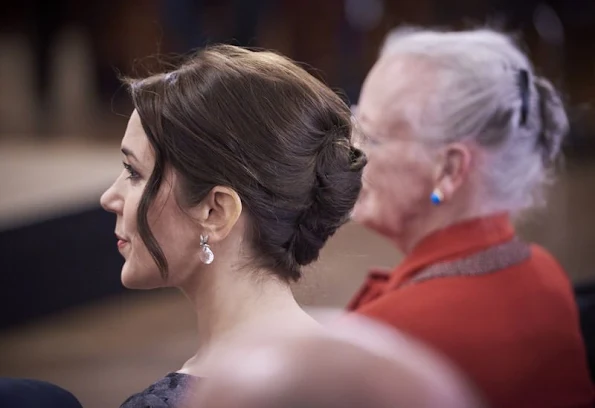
453 169
218 212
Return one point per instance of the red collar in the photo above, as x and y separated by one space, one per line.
453 242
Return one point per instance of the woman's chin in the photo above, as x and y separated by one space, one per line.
139 280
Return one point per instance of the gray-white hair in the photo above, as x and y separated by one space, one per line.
486 91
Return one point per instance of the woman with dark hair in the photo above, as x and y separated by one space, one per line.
238 166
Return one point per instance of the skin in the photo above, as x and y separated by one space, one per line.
404 168
357 363
226 295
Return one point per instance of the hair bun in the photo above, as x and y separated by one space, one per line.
337 185
358 158
554 121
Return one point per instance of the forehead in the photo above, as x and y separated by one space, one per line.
395 85
135 138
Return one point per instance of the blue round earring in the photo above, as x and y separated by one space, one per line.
437 197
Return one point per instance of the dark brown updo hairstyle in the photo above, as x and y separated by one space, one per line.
255 122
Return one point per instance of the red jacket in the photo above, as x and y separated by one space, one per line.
514 332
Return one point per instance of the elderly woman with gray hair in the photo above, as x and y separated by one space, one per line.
461 137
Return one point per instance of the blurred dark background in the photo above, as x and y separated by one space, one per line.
63 314
338 38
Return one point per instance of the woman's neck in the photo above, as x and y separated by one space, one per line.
230 305
442 217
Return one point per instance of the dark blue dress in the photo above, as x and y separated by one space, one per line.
169 392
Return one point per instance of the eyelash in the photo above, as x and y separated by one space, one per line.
132 174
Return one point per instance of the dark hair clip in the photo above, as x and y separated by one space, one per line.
523 83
